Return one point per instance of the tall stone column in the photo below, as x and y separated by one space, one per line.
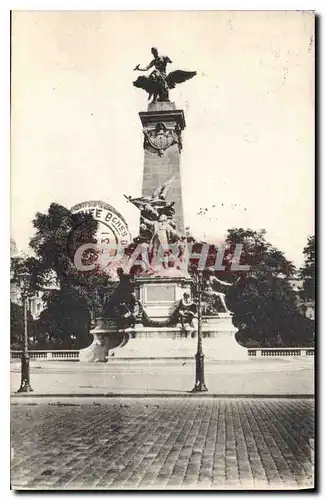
162 129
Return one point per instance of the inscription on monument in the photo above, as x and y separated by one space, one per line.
156 293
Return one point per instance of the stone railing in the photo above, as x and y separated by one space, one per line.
256 352
58 355
260 352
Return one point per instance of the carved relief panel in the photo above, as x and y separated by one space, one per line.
161 137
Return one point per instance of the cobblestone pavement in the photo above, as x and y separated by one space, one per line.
163 443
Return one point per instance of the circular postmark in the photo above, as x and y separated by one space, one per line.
112 227
111 236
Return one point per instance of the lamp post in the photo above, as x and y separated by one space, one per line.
25 382
199 356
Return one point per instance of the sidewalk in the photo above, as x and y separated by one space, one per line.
257 378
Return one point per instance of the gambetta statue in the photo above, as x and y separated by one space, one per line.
158 230
158 83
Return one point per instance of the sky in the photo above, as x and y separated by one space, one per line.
249 141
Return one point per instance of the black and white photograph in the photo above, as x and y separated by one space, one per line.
162 250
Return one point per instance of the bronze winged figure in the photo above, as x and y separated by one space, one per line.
158 83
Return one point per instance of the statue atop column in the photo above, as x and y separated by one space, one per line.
158 83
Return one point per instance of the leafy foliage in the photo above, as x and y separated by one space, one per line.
266 312
65 318
30 267
59 233
308 271
17 325
78 295
263 302
264 260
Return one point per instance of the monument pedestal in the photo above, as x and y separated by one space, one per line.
106 337
160 336
160 295
218 338
219 342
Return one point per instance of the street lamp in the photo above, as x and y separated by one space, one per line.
199 356
25 383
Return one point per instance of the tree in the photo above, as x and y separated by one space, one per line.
79 294
17 325
265 311
20 267
31 267
308 270
65 322
263 301
264 260
59 233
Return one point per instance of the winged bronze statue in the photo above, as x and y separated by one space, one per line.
158 83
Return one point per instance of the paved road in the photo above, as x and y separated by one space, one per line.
254 377
162 443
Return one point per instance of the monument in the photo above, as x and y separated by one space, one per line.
152 312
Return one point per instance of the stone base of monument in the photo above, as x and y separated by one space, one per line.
106 337
159 296
218 338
